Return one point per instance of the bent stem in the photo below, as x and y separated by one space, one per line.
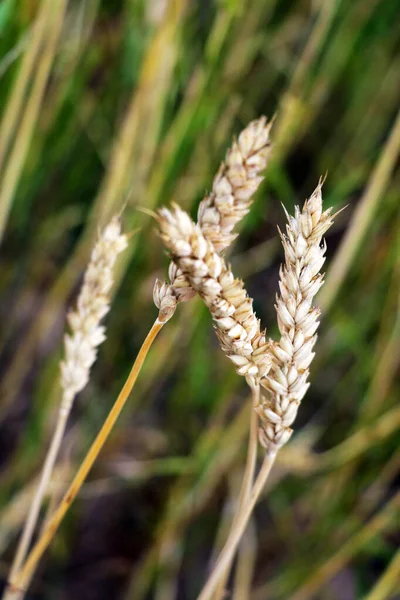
234 538
17 587
247 482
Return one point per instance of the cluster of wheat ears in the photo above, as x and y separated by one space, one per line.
276 371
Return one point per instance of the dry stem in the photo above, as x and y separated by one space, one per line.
233 540
248 478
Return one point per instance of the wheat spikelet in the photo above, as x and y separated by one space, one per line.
92 305
236 325
300 280
165 300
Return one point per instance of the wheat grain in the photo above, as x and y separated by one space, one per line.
300 280
236 324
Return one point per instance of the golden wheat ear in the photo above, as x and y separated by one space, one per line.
235 184
237 327
300 280
231 196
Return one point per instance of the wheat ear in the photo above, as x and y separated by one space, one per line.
300 280
286 381
231 196
236 325
234 185
80 353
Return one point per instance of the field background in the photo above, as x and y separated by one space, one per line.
112 103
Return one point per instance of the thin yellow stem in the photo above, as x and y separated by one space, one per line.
253 448
52 525
234 538
247 482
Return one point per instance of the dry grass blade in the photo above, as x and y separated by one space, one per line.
327 570
362 217
388 584
29 119
15 103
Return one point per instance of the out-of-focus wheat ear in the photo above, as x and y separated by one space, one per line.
81 345
92 305
300 280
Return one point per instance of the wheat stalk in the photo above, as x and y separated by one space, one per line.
286 381
229 201
81 345
24 575
199 267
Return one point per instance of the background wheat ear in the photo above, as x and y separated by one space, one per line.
92 305
80 351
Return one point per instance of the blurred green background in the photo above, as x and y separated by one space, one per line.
112 103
